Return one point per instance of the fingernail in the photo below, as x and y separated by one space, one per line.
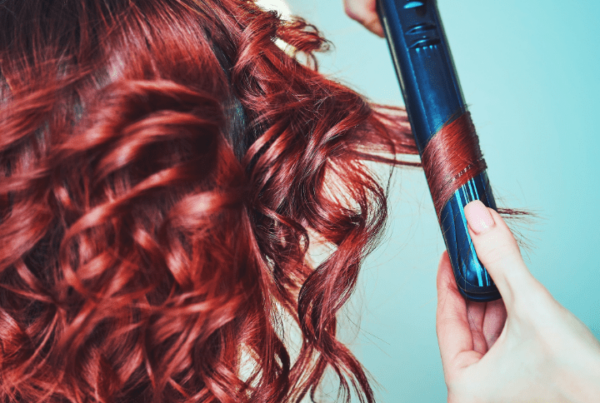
478 217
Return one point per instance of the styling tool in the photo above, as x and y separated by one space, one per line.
435 104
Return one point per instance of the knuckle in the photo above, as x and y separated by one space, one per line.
499 246
535 304
496 253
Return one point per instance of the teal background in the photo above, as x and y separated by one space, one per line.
529 73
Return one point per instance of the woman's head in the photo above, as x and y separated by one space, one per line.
162 164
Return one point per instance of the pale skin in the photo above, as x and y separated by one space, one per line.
365 12
525 347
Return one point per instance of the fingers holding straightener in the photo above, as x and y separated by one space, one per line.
541 352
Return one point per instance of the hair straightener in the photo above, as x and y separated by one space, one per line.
434 99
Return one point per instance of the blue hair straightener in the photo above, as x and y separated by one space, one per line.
433 98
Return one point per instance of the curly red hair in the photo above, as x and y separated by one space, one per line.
162 165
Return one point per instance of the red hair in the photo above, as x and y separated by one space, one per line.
452 158
162 165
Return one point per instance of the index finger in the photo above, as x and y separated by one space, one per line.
452 324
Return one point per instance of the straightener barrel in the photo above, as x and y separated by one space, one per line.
433 98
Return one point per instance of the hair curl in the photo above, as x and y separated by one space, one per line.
162 164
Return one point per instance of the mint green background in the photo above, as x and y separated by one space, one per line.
529 73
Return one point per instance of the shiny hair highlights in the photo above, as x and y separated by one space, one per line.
162 164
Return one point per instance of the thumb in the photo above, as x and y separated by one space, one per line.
499 252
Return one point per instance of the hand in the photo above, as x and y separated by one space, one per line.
523 348
365 12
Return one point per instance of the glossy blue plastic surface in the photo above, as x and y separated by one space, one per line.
433 97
